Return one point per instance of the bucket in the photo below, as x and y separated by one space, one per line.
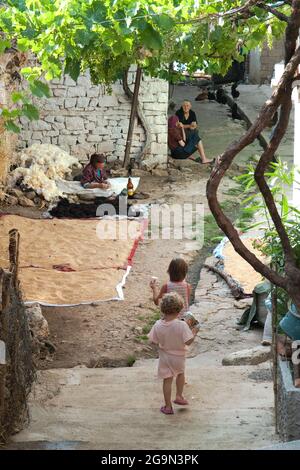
290 324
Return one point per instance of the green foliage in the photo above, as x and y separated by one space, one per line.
280 179
30 111
40 89
130 360
108 36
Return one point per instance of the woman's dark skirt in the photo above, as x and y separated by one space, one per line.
182 153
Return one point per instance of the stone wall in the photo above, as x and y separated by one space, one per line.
262 62
82 118
270 57
17 371
288 404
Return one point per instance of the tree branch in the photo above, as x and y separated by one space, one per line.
141 118
225 160
278 14
262 165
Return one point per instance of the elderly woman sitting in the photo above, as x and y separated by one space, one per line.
182 147
94 174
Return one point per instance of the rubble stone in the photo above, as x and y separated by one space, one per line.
245 357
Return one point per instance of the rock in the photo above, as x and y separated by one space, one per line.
171 179
87 196
11 200
174 172
37 201
246 357
37 322
146 165
30 195
116 164
138 330
120 172
16 192
244 303
139 173
24 202
159 172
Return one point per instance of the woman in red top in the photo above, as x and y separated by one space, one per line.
182 147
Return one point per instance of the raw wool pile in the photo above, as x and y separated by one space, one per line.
40 166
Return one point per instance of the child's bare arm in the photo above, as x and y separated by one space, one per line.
157 295
190 341
194 331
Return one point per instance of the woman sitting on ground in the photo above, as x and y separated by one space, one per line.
94 174
182 147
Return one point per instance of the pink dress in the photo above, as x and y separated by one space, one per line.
171 337
181 288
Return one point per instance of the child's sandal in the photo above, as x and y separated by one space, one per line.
167 411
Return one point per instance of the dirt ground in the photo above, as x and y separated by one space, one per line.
111 333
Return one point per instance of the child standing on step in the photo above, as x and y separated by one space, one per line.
172 336
177 271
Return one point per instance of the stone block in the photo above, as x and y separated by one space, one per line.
162 98
66 140
105 147
94 102
92 92
49 119
54 133
74 123
51 105
40 126
245 357
58 125
157 148
84 81
100 131
160 119
90 126
162 138
94 138
108 100
76 92
69 82
37 135
82 102
288 404
70 103
59 92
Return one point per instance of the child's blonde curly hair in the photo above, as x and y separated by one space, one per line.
171 303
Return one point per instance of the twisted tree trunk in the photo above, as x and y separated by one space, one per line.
280 99
141 118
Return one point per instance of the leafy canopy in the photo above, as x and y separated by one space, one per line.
107 36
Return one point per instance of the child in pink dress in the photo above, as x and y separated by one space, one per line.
177 271
172 336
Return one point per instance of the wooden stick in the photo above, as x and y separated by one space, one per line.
133 113
236 290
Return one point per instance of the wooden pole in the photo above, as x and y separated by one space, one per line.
274 353
133 114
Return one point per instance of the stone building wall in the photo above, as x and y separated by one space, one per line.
270 57
262 62
82 118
